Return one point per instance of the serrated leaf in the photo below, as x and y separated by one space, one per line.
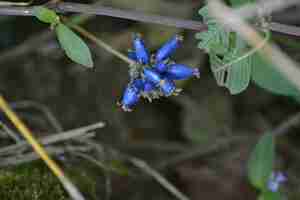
215 38
267 77
236 77
238 74
45 15
260 165
223 47
203 11
74 46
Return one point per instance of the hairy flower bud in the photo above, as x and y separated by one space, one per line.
181 72
130 98
168 48
140 50
167 87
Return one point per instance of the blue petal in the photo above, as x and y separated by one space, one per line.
160 67
168 48
130 98
138 83
152 76
181 72
140 50
168 87
148 86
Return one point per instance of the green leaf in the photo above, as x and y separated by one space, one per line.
213 39
236 76
74 46
260 165
216 38
223 48
239 73
46 15
268 195
265 75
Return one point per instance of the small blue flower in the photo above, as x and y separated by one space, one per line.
168 48
181 72
275 180
161 66
167 87
140 50
130 98
152 76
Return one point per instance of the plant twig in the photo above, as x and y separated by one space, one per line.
285 29
54 138
263 8
285 126
101 43
199 152
10 3
63 7
131 15
39 149
32 156
245 11
158 177
11 133
42 108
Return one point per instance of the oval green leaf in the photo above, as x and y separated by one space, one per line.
74 46
46 15
260 165
266 76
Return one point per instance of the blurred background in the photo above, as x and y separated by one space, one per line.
200 140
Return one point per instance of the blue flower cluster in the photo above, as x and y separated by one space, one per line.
276 179
153 76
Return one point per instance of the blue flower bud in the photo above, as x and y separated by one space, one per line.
181 72
160 67
167 87
168 48
141 52
148 87
130 98
138 83
152 76
131 54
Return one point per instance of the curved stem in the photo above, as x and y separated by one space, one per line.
246 55
100 42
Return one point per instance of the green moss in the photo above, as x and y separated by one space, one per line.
30 182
